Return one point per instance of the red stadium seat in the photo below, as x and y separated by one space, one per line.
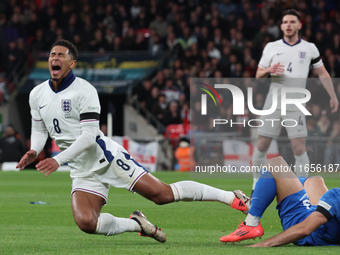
173 133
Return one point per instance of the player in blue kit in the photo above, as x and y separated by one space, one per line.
309 212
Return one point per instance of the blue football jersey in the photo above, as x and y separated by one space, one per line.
328 233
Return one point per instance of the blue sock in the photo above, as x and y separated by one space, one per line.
264 193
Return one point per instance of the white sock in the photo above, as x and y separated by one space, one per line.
110 225
194 191
259 160
300 165
252 221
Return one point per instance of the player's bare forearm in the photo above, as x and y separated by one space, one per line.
291 235
261 73
296 232
326 81
27 159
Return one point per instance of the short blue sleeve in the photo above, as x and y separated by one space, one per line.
329 204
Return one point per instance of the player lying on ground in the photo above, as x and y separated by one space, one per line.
309 212
67 108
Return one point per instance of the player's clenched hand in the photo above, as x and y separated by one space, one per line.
27 159
334 104
47 166
276 69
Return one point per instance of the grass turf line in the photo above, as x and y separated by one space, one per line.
191 228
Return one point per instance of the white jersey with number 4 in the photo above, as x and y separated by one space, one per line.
63 113
296 60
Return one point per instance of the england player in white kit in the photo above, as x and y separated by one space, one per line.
67 108
288 61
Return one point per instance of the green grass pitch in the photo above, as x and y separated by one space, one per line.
191 228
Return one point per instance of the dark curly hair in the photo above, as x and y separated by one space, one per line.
70 46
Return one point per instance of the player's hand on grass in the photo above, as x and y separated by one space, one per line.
47 166
334 104
27 159
276 69
261 244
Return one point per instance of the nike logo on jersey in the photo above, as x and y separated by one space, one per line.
280 53
40 107
130 175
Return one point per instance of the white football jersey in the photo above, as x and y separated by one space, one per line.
63 112
296 60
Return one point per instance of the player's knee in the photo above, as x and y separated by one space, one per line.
162 197
86 223
317 180
298 151
262 147
278 161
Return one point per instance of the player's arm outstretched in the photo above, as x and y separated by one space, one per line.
39 135
296 232
328 84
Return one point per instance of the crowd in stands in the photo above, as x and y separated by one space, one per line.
207 39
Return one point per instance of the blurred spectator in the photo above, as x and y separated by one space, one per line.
159 80
15 29
180 82
135 9
313 129
186 40
39 44
117 44
3 90
14 56
140 43
170 91
172 114
152 98
273 29
332 66
185 114
204 38
155 45
51 32
324 125
145 92
33 24
185 155
72 27
158 109
97 43
172 44
213 52
159 25
129 39
78 42
10 146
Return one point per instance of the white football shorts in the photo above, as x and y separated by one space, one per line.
122 172
293 121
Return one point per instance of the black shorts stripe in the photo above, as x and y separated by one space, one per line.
325 213
316 60
89 116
